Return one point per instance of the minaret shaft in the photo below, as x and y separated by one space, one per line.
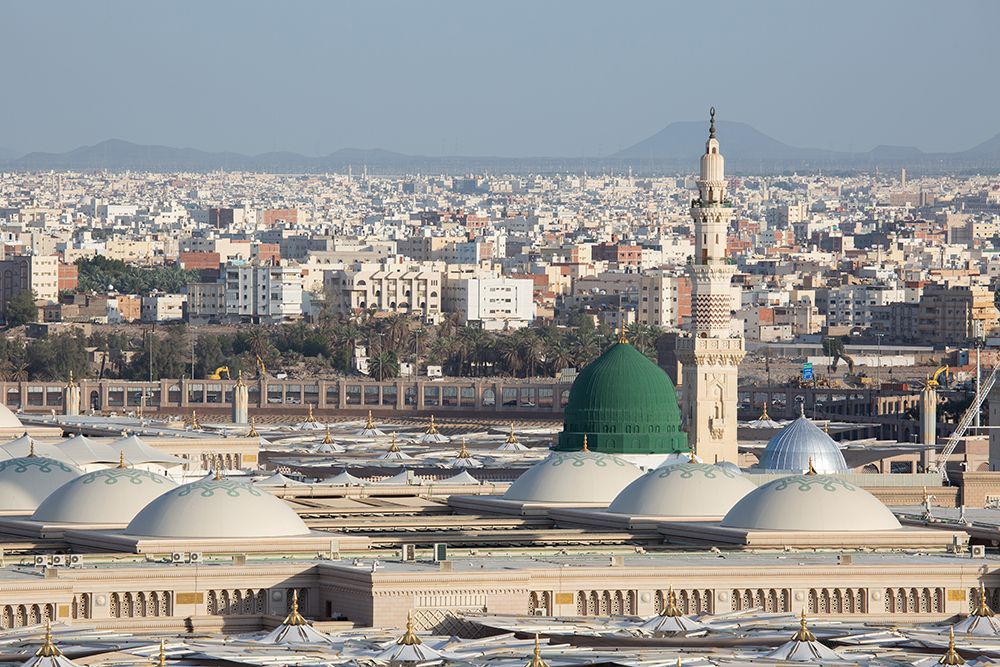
711 355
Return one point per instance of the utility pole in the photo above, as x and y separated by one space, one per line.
878 363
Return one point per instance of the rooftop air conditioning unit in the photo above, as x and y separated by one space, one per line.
978 551
58 560
177 557
41 561
195 557
75 560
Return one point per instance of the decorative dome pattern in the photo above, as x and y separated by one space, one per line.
110 495
222 508
792 448
819 503
625 404
27 481
574 477
683 490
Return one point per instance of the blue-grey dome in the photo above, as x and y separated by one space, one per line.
792 448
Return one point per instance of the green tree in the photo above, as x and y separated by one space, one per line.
383 365
55 357
21 309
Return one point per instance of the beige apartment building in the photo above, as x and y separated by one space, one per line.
404 287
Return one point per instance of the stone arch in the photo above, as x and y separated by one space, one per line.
7 619
913 601
21 619
116 605
140 604
34 614
594 604
925 601
532 603
618 604
735 599
658 602
581 604
813 606
213 603
772 601
605 603
630 606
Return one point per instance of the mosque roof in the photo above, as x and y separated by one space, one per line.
25 445
793 446
626 404
223 508
574 477
109 495
811 503
26 481
137 451
683 490
8 419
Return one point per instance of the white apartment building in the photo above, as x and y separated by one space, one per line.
491 303
852 305
263 294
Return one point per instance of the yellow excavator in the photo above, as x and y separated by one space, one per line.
217 375
933 381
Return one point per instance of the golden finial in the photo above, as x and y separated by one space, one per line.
804 634
826 427
811 470
218 469
585 448
983 610
370 424
951 656
162 660
691 456
511 438
432 429
763 414
393 447
409 637
48 649
310 418
239 378
121 458
195 426
671 608
71 382
294 617
31 447
252 433
327 439
621 334
536 656
463 453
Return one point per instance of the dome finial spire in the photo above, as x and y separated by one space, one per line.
48 649
951 656
121 458
585 447
621 334
804 634
811 470
711 123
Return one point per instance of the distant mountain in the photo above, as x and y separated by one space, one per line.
749 150
673 149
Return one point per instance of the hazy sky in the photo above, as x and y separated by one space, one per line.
506 77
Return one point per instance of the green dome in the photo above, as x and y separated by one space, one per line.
624 404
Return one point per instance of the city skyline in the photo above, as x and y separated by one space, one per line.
451 79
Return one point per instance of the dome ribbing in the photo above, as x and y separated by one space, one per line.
625 404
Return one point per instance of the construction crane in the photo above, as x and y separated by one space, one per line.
217 375
967 418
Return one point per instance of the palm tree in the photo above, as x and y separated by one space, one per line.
558 355
382 365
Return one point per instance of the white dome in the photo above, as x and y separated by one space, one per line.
27 481
222 508
574 477
110 495
8 419
812 503
683 490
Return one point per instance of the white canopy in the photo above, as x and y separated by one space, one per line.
461 478
137 451
344 479
82 450
277 479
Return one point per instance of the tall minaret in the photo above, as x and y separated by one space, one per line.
712 353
